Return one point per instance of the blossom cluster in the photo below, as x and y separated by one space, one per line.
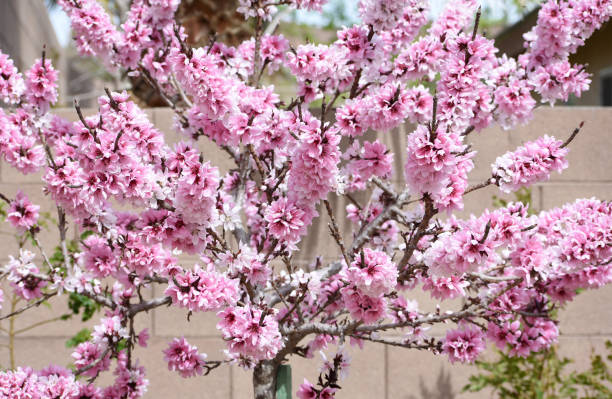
202 290
184 358
251 333
530 163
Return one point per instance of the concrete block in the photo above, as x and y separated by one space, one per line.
172 322
555 194
417 374
588 157
488 144
588 314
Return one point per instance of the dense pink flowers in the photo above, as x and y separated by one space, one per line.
89 355
464 344
25 383
24 275
388 14
195 193
18 142
22 214
314 165
388 107
184 358
41 85
250 333
372 273
202 290
438 166
94 32
530 163
285 220
373 159
350 119
362 307
446 287
11 82
514 103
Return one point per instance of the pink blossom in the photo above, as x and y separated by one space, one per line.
195 193
95 33
250 333
11 82
99 258
387 14
109 331
184 358
463 344
363 307
306 390
202 290
41 85
130 382
504 334
373 160
355 39
285 220
87 354
530 163
143 338
459 252
446 287
24 276
18 145
514 103
22 214
372 273
421 58
433 166
314 165
388 107
351 119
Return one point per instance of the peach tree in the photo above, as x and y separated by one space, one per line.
139 202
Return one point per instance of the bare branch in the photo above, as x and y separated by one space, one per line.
573 135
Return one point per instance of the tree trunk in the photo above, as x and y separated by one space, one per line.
264 379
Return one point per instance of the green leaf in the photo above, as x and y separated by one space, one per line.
86 234
78 303
80 337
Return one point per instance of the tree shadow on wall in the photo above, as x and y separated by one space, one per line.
442 389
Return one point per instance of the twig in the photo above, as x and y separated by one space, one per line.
573 135
148 305
40 323
430 211
335 232
95 363
479 186
29 306
82 119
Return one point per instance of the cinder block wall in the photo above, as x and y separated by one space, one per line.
377 371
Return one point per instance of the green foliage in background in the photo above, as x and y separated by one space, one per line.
523 195
543 375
